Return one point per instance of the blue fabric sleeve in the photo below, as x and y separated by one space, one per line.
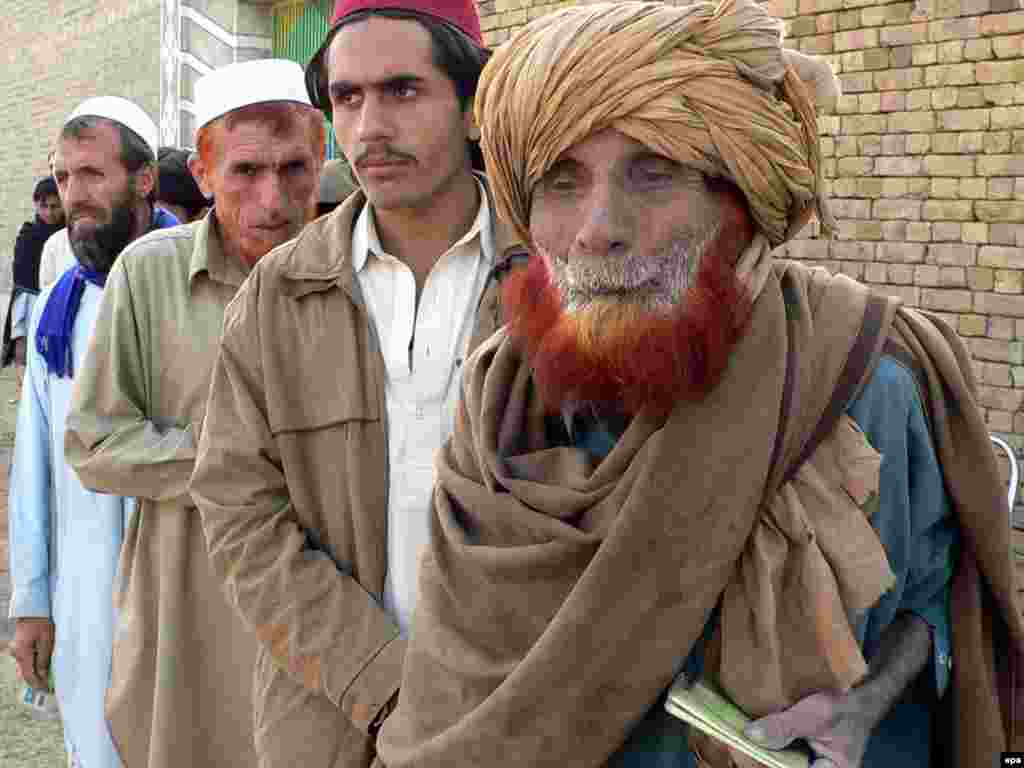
914 519
30 492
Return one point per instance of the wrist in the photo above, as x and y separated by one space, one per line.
867 703
904 653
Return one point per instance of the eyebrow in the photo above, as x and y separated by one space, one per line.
80 169
566 163
341 87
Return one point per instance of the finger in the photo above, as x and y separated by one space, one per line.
22 660
27 672
42 669
772 732
24 670
44 648
829 755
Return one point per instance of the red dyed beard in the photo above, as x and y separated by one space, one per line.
617 355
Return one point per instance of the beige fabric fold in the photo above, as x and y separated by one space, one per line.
708 85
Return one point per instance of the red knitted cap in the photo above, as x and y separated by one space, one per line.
461 14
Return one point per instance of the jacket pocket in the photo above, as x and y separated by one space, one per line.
321 366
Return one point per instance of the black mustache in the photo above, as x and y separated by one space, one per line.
372 156
76 213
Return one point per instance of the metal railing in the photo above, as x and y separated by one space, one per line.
1011 493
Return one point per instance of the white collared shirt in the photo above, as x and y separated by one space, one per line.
422 384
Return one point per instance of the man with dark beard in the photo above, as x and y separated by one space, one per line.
684 457
65 539
182 662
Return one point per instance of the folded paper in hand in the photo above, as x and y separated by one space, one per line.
708 710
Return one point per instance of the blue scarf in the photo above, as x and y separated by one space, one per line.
57 323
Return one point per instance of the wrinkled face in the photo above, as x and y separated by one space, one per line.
397 116
49 210
100 195
262 180
621 226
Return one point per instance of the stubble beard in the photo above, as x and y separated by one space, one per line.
654 284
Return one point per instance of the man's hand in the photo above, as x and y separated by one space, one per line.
20 351
832 724
31 649
837 726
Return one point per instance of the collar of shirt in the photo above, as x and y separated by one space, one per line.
208 255
365 240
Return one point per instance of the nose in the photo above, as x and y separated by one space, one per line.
373 124
271 193
73 192
607 223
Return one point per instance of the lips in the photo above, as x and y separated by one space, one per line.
270 231
379 163
381 166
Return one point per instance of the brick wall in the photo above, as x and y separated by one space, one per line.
925 163
925 157
57 53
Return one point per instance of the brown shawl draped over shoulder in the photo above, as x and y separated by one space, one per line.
558 595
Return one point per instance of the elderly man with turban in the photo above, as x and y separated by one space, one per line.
683 456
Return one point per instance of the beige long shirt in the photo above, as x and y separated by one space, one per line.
182 661
292 482
57 256
423 342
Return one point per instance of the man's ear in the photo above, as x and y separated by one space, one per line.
145 180
472 129
201 173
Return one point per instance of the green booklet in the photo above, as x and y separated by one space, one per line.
705 708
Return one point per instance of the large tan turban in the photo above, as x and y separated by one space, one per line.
707 85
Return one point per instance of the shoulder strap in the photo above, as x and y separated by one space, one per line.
851 379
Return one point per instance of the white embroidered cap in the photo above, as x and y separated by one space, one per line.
248 82
122 111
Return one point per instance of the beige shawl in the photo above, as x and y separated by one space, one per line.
558 595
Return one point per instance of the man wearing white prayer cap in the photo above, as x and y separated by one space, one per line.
64 538
181 682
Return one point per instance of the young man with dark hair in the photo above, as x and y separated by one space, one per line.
65 539
182 662
337 380
28 249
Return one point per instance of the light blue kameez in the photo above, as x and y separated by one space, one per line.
64 545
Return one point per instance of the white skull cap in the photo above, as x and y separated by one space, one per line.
248 82
122 111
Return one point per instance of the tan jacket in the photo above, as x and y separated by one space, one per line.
292 484
182 661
